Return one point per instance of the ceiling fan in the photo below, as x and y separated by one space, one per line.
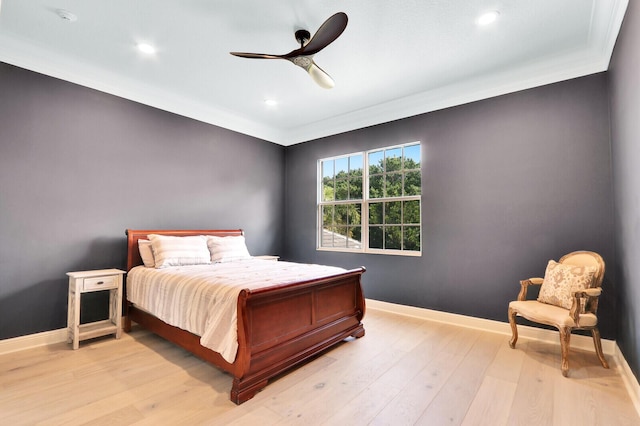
309 46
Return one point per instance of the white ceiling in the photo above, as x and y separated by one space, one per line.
395 59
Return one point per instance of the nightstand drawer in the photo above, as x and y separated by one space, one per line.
100 283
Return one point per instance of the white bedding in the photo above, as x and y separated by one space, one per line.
203 299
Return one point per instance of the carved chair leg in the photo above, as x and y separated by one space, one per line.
565 340
595 333
514 329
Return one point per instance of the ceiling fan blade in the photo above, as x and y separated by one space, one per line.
326 34
256 55
319 76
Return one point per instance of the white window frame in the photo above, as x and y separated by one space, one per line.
365 201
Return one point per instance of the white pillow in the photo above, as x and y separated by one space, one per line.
179 251
227 249
146 253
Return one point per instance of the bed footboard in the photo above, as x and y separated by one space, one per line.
282 327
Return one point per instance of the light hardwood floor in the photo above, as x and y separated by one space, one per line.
405 371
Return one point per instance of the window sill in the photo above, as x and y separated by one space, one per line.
372 251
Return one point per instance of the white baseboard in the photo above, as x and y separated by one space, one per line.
526 332
609 347
629 379
33 341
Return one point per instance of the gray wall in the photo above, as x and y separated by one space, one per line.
625 140
78 167
508 183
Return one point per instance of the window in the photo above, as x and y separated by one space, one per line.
370 201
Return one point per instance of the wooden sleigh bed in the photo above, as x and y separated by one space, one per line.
278 327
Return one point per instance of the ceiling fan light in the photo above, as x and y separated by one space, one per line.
320 77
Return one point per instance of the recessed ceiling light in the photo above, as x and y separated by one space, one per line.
488 18
270 102
146 48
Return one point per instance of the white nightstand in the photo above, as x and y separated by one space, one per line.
88 281
267 257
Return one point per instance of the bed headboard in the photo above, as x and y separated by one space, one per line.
133 235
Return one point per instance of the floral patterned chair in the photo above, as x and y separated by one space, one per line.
568 300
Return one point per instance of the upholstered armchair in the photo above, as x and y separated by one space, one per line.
568 300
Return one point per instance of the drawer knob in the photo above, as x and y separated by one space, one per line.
100 282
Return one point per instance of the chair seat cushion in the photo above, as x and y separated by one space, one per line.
550 314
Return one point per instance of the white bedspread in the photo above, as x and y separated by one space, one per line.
203 299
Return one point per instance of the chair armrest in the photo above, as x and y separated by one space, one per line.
589 292
524 284
590 305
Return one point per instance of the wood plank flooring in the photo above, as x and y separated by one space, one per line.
405 371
